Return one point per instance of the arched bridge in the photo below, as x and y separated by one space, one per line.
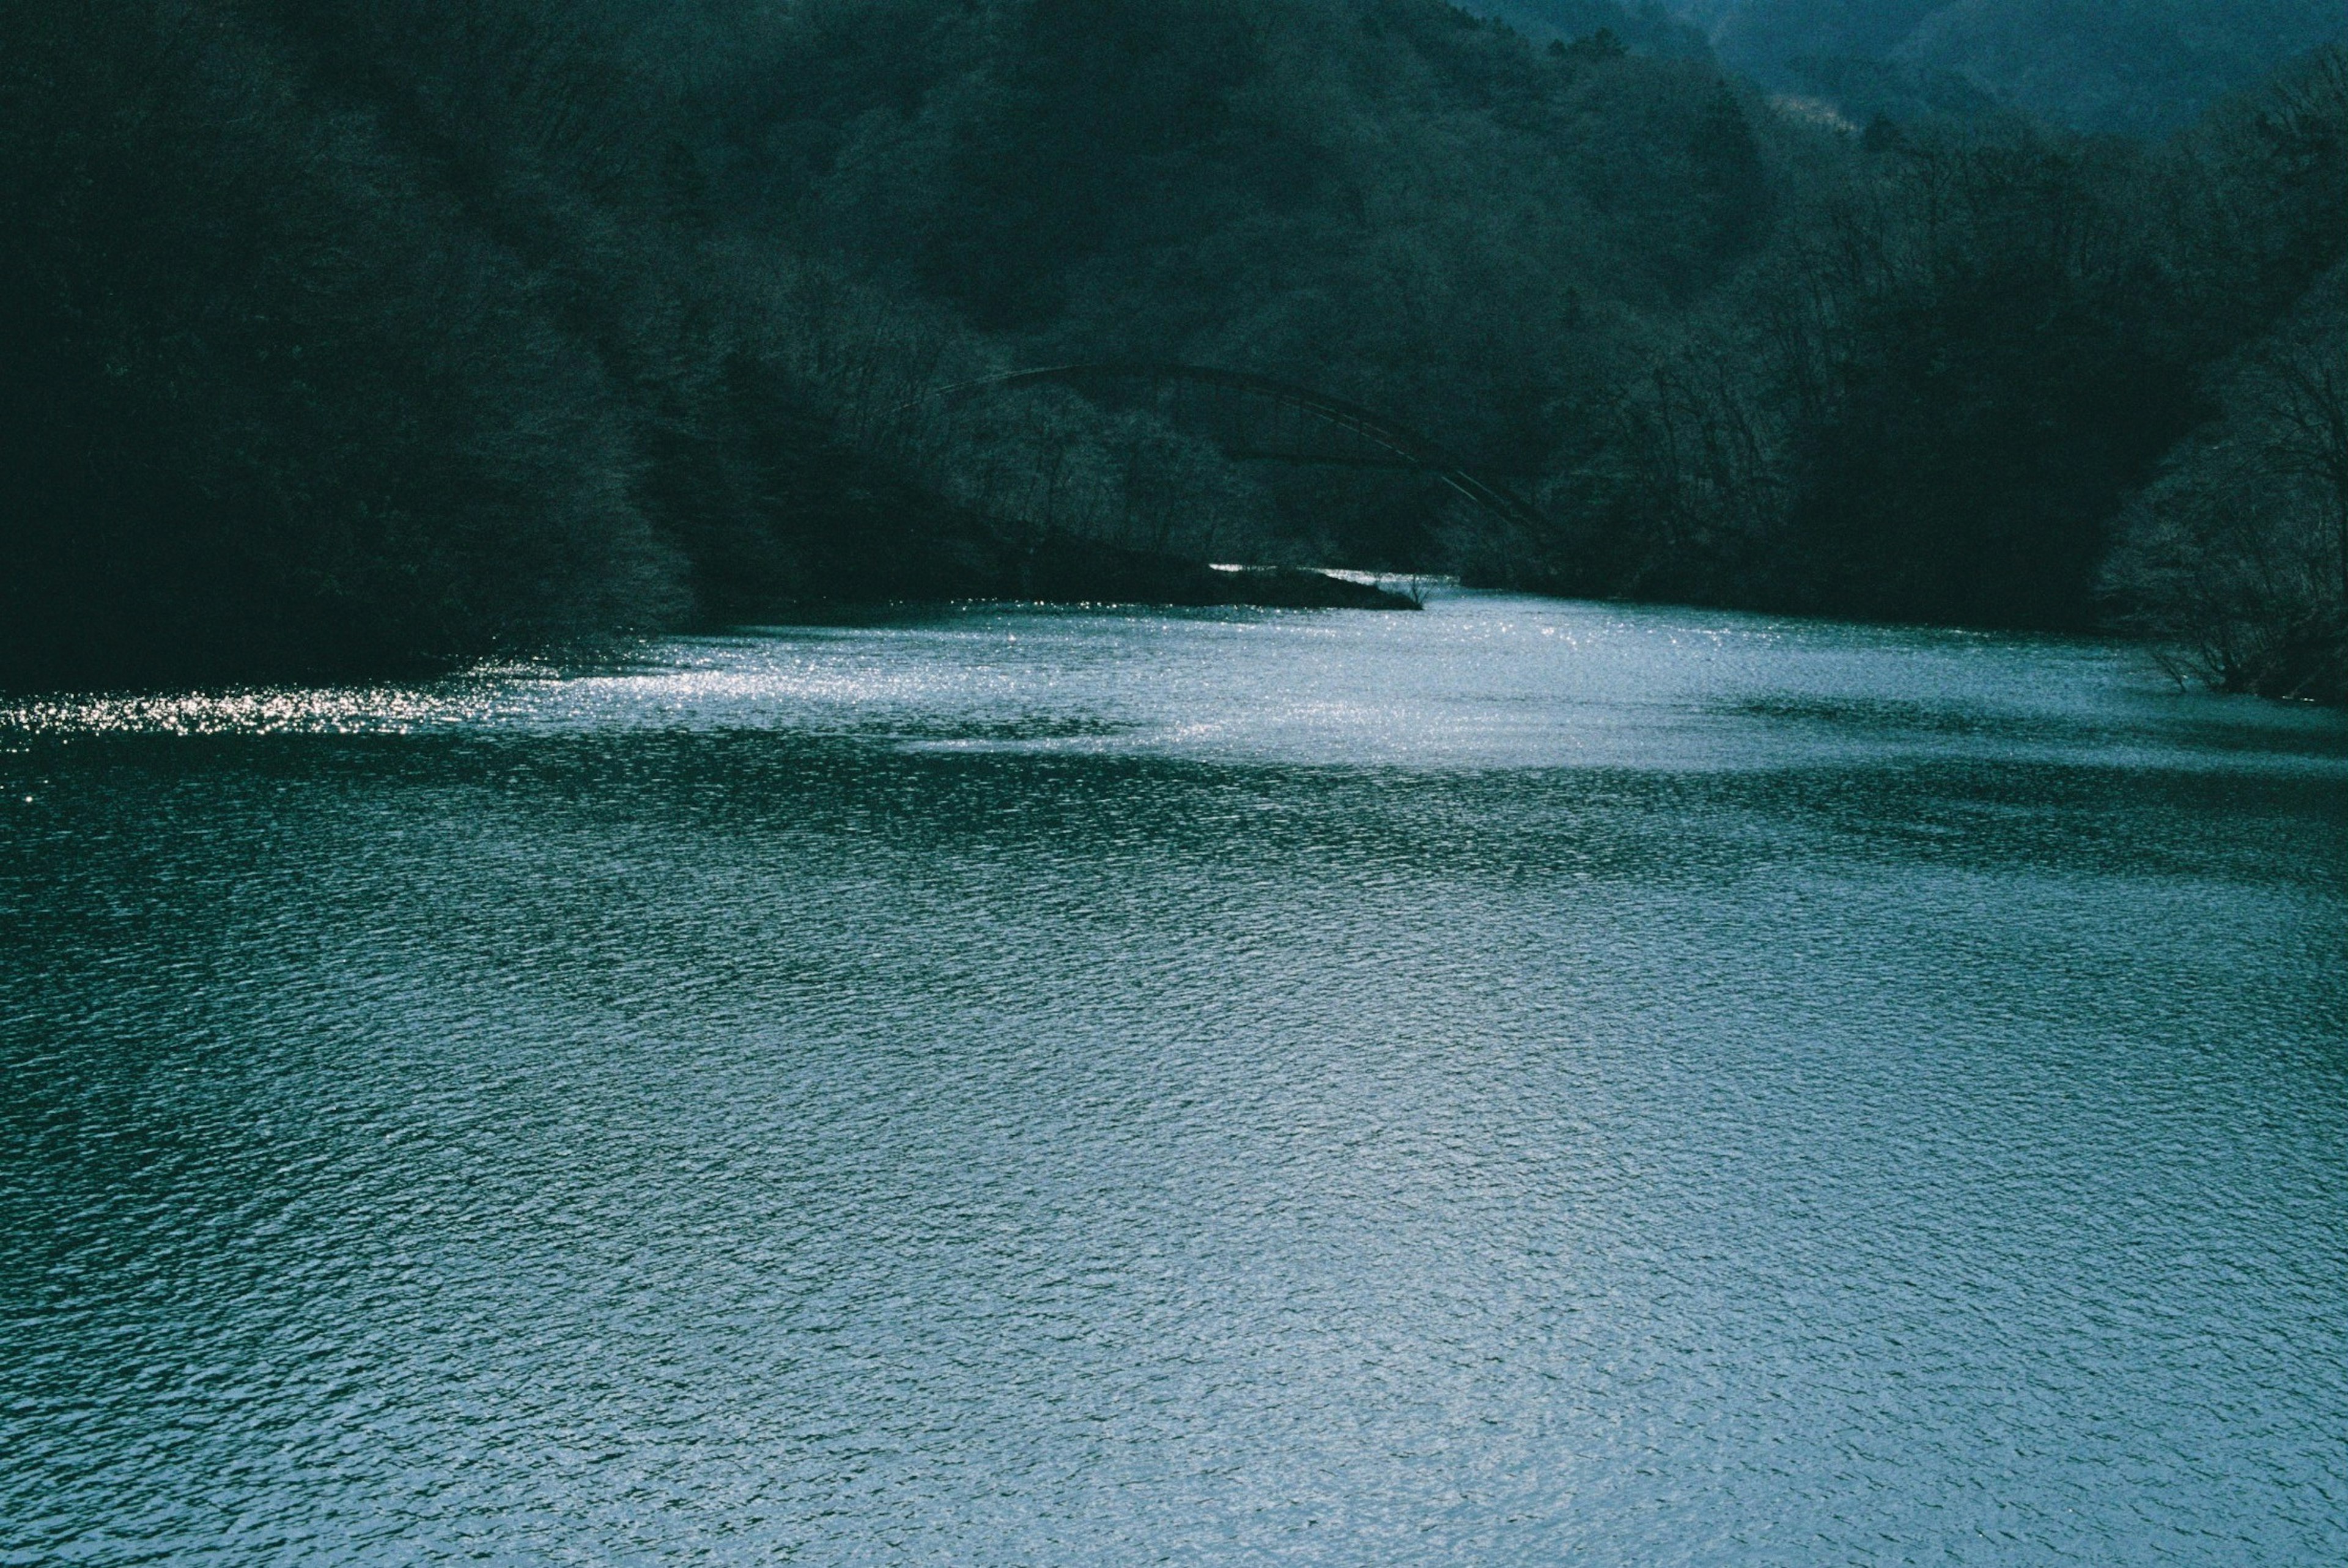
1375 440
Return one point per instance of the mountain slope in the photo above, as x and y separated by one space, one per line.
2142 66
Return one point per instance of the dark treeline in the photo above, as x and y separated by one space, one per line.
343 337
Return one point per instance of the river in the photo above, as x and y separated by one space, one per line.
1527 1084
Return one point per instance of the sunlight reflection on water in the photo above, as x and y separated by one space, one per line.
1523 1083
1482 679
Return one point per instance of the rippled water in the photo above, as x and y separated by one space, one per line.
1522 1085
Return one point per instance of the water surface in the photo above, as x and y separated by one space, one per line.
1527 1084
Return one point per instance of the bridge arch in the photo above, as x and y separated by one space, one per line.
1407 448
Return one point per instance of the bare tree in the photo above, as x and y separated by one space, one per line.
2302 392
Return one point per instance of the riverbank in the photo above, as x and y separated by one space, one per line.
920 551
1092 574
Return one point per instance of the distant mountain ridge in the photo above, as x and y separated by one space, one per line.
2139 66
2136 66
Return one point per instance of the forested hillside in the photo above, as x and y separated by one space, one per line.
345 336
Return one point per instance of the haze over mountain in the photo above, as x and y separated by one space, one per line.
2141 67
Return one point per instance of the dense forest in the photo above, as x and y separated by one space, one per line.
344 337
